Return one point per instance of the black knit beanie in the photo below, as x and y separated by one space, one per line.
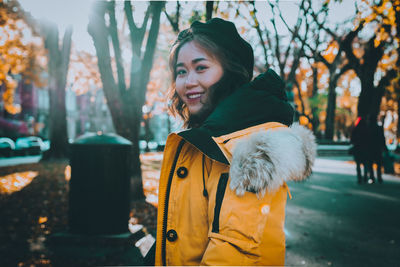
225 34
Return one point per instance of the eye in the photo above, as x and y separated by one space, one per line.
180 72
201 68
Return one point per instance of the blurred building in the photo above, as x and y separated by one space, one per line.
86 112
34 111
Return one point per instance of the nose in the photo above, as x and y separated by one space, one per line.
191 80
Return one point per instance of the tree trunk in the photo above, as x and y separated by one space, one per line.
125 103
209 9
335 72
334 76
396 6
58 61
314 110
130 130
365 71
379 92
315 122
331 108
315 80
366 98
398 114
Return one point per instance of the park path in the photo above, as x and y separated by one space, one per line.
333 221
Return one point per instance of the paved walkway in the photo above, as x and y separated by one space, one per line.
333 221
19 160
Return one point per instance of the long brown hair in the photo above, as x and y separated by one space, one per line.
233 77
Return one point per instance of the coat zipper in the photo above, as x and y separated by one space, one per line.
165 214
223 181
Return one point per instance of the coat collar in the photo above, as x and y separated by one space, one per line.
201 138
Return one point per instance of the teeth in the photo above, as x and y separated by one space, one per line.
194 96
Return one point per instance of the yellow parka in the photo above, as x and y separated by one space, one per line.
223 191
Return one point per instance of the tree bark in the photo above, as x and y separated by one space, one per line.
315 80
209 9
366 74
58 61
379 92
174 19
396 7
331 107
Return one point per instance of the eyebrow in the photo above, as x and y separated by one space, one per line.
194 61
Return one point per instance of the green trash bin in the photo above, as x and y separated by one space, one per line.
100 185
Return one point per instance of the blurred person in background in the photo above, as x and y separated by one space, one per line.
377 147
361 150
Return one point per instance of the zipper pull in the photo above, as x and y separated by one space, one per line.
288 191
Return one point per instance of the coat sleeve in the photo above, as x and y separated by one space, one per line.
247 230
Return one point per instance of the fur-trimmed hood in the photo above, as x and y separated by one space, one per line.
266 159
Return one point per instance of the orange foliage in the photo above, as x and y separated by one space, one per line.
84 73
384 14
304 76
160 77
346 100
331 51
16 181
19 50
42 220
157 88
67 173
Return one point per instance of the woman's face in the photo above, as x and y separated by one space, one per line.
196 71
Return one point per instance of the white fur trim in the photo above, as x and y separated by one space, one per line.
267 159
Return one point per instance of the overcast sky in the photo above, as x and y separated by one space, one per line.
76 12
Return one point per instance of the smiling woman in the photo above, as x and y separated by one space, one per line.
222 188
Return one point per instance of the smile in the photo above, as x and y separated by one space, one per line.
193 96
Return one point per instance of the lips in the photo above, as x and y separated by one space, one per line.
193 96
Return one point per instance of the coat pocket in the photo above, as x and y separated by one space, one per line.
241 217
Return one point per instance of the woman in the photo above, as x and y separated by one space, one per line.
223 185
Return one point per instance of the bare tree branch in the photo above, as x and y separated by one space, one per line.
260 34
147 62
295 30
174 21
316 55
344 69
136 34
277 46
113 31
96 29
321 25
65 55
300 96
346 44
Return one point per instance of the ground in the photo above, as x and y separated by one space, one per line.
333 221
34 205
330 220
